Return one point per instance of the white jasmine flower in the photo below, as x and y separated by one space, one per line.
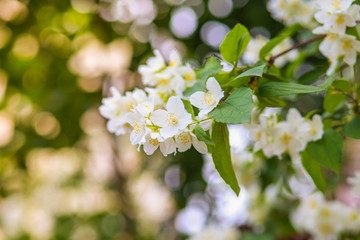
199 145
138 119
286 140
251 53
332 6
185 139
209 100
335 23
172 120
154 141
175 59
115 109
315 128
153 65
292 11
335 46
216 233
281 47
188 74
355 183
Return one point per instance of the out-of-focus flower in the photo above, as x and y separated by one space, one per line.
95 59
293 11
355 183
216 233
324 219
251 54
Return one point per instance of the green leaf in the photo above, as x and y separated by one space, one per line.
287 32
312 76
273 89
234 44
235 109
272 101
315 171
222 157
327 151
203 136
245 76
189 108
352 129
335 95
211 67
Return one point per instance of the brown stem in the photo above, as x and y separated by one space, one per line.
298 45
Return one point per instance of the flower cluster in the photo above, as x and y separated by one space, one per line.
290 136
325 219
292 11
157 117
336 16
170 78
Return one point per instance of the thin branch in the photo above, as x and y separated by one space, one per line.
298 45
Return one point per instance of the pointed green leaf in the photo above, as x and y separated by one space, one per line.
327 151
189 108
236 108
315 171
245 76
222 157
336 95
234 44
203 136
352 129
273 89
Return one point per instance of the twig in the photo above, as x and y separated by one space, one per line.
298 45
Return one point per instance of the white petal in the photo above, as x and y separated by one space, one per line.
196 99
151 145
158 117
168 132
199 146
175 104
213 86
168 146
183 141
322 17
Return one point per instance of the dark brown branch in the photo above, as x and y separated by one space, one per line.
298 45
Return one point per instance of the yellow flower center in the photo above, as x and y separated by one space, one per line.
188 77
312 130
172 64
258 136
340 20
336 4
312 204
347 46
325 213
354 216
285 138
136 127
171 119
154 142
325 229
209 99
183 138
163 82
